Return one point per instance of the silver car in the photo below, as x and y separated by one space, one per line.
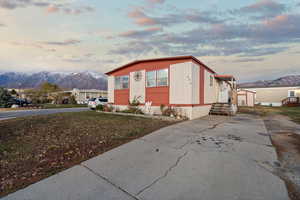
94 102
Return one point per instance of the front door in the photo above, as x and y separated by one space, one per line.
137 86
223 93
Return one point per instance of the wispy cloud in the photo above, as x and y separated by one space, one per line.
263 9
141 33
63 43
52 6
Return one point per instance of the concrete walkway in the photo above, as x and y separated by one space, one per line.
212 158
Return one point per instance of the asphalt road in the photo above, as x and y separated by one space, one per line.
24 113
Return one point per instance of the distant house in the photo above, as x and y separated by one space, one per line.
246 97
276 96
184 83
83 95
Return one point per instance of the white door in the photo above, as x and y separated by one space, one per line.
223 93
137 86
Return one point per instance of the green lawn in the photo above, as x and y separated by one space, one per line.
36 147
292 112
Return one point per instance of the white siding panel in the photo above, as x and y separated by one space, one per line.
138 88
111 89
181 83
195 84
210 92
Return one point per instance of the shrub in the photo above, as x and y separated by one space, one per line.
170 112
133 107
100 107
162 108
108 108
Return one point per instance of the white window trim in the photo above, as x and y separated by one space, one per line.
154 79
289 93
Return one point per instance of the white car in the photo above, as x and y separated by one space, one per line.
94 102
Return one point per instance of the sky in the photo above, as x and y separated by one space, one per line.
250 39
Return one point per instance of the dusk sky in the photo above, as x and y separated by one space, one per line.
247 38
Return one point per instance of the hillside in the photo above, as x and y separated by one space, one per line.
293 80
83 80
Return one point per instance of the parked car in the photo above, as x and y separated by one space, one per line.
15 102
94 102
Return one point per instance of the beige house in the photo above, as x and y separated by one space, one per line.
274 96
246 97
82 95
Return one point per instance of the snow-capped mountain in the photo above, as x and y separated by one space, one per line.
81 80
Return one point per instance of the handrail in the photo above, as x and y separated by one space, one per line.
290 100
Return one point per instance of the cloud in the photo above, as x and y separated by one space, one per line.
53 6
141 33
194 16
156 1
13 4
264 8
265 37
52 9
249 60
63 43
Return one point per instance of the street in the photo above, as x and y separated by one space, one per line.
23 113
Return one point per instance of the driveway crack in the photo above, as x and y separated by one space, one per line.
108 181
165 174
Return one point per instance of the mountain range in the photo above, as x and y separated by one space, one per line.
293 80
82 80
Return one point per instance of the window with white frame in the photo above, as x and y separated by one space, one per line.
162 77
157 78
151 78
291 93
122 82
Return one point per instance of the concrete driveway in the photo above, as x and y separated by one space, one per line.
23 113
216 157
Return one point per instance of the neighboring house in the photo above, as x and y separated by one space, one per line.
184 83
276 96
82 96
246 97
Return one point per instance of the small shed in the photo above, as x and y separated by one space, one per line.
246 97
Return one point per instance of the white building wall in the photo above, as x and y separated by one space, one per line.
184 83
210 92
111 89
250 99
195 83
138 88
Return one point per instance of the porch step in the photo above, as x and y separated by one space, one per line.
221 109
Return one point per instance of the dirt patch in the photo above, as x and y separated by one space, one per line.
34 148
287 145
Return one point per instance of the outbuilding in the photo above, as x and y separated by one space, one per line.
183 83
246 97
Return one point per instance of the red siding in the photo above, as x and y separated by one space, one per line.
121 97
157 95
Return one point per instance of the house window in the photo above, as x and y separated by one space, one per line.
211 81
291 93
151 79
122 82
157 78
162 77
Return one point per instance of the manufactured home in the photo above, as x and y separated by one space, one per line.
277 96
184 83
